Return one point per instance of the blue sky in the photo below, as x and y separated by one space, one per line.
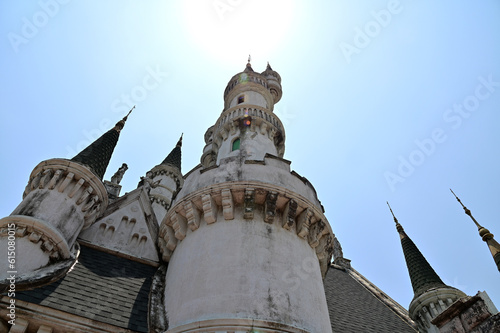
382 101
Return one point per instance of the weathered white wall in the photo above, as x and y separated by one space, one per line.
246 269
28 256
251 97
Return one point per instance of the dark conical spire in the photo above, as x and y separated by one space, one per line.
174 158
97 155
422 275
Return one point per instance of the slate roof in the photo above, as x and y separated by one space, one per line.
422 275
174 158
101 287
97 155
354 308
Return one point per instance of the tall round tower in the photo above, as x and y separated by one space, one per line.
246 240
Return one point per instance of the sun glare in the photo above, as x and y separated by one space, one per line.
232 29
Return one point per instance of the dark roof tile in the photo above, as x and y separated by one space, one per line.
101 287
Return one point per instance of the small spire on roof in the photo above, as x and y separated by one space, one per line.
119 125
485 234
399 227
249 68
467 211
422 275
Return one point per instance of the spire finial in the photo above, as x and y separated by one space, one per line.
179 143
125 118
119 125
467 211
485 235
249 58
399 227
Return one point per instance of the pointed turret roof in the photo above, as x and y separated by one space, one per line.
174 158
485 234
422 275
97 155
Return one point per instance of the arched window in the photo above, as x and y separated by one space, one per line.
236 144
241 99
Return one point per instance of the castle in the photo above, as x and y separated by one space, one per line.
238 244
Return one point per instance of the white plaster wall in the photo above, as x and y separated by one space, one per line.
166 187
55 209
251 97
226 146
246 269
28 256
124 230
256 145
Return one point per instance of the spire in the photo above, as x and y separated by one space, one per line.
484 233
249 68
174 158
97 155
422 275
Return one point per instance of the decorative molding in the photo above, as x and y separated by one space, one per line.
192 215
304 222
289 214
227 204
209 208
249 203
270 206
271 200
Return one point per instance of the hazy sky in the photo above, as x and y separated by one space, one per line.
382 101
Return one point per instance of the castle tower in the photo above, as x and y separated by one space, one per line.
164 181
62 198
485 234
431 295
246 240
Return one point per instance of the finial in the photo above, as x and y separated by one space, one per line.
467 211
125 118
485 235
119 125
249 59
179 143
399 227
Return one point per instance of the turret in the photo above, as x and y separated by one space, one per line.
243 224
247 127
431 295
62 198
164 181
